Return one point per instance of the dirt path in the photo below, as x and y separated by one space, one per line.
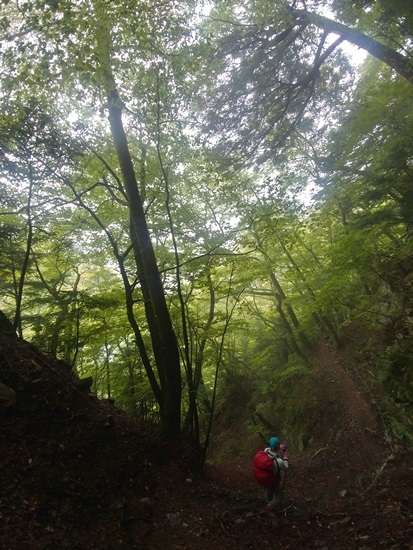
349 489
349 445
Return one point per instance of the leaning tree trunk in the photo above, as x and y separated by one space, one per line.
164 343
165 347
401 64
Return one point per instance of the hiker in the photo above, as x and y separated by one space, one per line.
267 471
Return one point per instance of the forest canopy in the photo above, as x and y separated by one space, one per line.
192 192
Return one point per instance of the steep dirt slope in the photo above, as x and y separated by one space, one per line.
76 473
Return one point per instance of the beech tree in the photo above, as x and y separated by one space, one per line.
281 64
29 156
91 56
78 48
164 344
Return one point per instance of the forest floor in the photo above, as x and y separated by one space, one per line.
78 474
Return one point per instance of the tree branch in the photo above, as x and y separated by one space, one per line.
398 62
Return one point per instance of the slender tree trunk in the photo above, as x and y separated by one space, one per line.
187 359
19 297
131 387
321 319
288 328
129 301
107 370
220 349
77 312
203 340
280 299
164 343
192 413
165 347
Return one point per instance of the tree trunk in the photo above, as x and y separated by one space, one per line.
165 347
320 319
19 297
164 343
401 64
280 299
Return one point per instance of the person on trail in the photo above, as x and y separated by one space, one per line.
268 466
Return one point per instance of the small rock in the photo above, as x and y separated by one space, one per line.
146 501
173 519
110 422
7 394
341 522
84 384
6 325
391 510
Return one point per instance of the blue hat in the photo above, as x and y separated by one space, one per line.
274 443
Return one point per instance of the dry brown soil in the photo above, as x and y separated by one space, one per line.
78 474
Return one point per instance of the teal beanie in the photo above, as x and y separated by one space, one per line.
274 443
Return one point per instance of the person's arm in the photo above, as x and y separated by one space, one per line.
283 462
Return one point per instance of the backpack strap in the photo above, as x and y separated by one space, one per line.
274 457
278 474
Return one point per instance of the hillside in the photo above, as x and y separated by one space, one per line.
78 473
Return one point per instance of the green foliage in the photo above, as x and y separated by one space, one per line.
397 373
392 19
250 275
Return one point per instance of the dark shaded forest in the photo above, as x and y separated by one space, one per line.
205 225
79 473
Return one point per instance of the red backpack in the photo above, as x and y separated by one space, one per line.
264 470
